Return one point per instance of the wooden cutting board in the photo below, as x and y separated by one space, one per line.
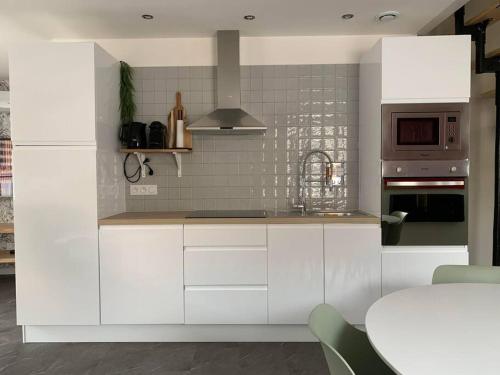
180 114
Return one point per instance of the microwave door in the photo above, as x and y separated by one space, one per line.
417 131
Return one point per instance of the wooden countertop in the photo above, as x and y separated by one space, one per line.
6 228
179 217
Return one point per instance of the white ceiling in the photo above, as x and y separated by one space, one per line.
88 19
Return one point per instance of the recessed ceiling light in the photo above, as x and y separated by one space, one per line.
390 15
347 16
249 17
147 16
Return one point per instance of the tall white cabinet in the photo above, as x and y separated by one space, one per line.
407 69
64 104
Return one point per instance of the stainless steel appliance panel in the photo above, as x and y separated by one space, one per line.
425 168
430 131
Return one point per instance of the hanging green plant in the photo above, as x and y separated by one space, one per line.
127 104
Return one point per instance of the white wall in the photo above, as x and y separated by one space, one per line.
253 50
12 33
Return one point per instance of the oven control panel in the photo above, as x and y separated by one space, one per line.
452 131
421 168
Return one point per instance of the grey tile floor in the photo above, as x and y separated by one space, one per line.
17 358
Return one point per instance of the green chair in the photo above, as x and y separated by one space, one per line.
449 274
392 231
347 349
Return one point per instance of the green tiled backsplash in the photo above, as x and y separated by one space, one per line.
303 106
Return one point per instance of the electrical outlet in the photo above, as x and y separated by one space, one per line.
143 189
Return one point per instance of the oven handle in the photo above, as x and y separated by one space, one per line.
435 184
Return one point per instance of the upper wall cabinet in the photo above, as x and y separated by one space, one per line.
54 92
425 69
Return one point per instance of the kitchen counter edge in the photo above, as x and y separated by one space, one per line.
179 217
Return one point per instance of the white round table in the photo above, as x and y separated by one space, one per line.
438 329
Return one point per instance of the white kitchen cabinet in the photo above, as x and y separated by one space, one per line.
53 93
410 266
352 268
296 283
57 272
226 304
141 274
65 176
426 68
225 266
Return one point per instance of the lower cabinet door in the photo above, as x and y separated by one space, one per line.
141 271
352 268
226 304
295 263
410 266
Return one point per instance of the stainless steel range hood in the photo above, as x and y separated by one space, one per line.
228 118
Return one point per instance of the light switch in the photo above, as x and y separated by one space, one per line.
143 189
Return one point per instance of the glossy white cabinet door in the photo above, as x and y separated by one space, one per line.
295 262
352 268
52 93
410 266
141 274
56 235
226 304
424 68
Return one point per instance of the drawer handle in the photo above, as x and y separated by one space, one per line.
224 249
226 288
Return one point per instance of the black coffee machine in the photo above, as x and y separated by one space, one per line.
133 135
157 132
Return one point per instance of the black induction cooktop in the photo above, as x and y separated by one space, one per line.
227 214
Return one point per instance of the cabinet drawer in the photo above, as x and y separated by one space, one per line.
225 235
226 305
225 266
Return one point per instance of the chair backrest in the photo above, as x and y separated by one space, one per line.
392 232
449 274
329 327
399 214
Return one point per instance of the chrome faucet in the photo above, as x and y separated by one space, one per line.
302 180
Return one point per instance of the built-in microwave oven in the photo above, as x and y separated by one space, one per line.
425 131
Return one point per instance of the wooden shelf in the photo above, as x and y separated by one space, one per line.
491 13
6 228
6 257
154 150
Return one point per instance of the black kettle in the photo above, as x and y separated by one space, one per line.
133 135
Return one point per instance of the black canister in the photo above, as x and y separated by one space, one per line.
157 135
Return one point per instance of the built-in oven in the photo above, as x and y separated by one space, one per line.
425 131
424 202
424 210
